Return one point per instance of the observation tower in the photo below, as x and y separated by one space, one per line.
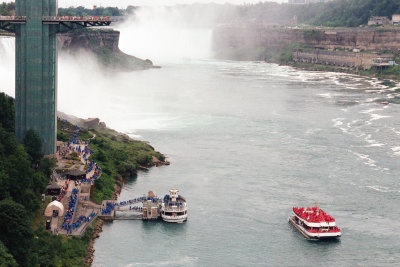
36 25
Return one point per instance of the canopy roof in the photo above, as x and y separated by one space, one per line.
76 172
55 205
53 185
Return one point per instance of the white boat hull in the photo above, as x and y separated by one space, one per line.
309 235
174 219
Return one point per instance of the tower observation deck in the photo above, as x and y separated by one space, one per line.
36 25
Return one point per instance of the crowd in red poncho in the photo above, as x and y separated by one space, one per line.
63 190
313 215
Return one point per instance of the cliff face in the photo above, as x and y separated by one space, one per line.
89 40
239 41
104 45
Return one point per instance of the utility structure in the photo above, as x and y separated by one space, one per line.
36 25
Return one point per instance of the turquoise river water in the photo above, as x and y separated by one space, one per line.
247 142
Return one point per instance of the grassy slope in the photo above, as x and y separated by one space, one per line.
118 156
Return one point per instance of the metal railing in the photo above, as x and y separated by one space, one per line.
13 18
75 18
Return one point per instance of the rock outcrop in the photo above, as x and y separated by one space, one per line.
104 45
85 123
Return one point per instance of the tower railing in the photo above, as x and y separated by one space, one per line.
76 18
13 19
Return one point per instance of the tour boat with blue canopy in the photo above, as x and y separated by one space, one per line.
314 223
173 207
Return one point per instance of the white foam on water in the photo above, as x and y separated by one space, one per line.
367 111
338 122
325 95
134 136
396 150
395 131
366 159
313 131
371 100
375 145
375 117
378 188
181 261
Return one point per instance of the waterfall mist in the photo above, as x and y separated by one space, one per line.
7 65
167 34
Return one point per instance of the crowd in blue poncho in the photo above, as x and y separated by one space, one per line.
75 146
82 219
136 200
86 152
172 204
110 206
136 208
108 209
67 224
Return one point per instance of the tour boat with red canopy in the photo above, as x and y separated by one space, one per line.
314 223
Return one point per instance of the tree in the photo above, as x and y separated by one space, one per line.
15 231
7 112
33 145
48 248
6 259
20 174
4 185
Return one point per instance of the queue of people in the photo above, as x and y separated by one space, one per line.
108 208
67 225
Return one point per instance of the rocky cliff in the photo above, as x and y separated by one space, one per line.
104 45
255 42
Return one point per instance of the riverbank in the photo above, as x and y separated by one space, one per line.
386 77
364 51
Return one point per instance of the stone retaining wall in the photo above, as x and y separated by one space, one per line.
339 58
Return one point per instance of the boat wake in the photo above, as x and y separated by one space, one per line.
182 261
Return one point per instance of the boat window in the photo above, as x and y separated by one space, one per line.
180 213
168 213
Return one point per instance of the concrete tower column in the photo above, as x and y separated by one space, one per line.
36 73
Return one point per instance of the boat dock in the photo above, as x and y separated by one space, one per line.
140 208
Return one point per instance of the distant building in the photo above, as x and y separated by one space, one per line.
303 2
378 20
396 19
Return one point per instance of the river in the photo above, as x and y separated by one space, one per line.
247 141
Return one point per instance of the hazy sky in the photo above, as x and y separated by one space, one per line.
124 3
